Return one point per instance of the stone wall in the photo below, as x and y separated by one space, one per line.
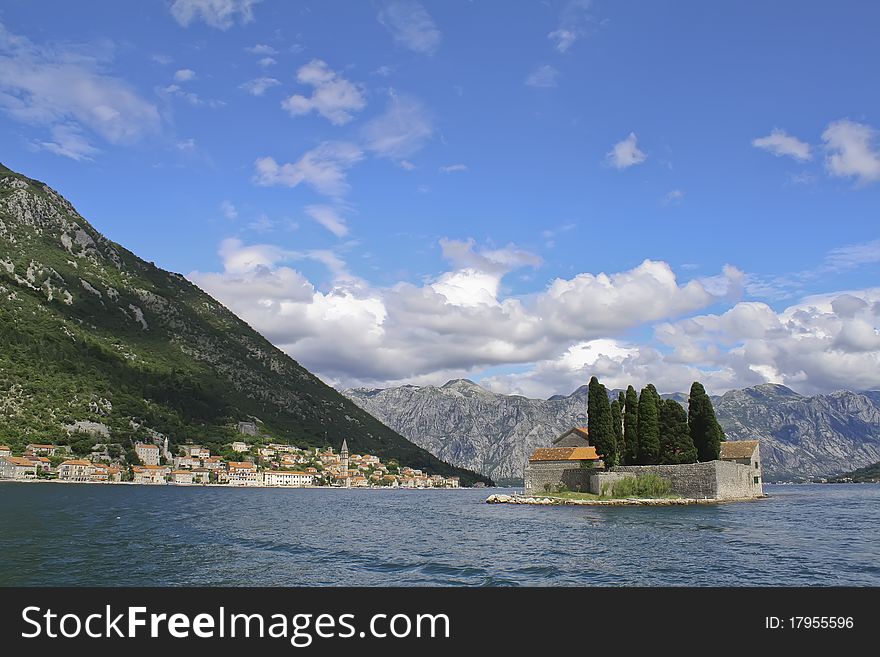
709 480
554 474
738 480
601 479
712 479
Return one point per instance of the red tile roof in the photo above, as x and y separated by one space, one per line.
564 454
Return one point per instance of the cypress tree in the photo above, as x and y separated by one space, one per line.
649 427
600 424
631 426
617 424
676 445
706 433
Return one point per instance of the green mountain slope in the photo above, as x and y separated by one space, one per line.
89 332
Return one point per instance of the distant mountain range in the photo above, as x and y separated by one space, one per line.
465 424
94 338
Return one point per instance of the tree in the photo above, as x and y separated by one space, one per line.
649 427
617 424
631 427
706 434
676 445
600 424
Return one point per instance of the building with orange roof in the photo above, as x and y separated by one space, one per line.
147 453
36 449
566 465
5 450
150 474
76 470
17 467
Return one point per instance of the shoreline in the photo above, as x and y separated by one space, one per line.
662 501
131 483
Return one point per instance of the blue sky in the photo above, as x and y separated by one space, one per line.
401 191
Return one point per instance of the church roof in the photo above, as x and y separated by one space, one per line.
564 454
738 449
344 446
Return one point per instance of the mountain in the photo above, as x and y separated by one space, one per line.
94 338
465 424
804 437
801 437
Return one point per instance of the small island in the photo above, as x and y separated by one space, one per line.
645 451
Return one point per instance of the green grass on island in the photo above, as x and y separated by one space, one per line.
648 486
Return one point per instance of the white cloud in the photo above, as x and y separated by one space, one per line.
262 49
258 86
625 153
228 209
402 130
543 77
574 23
673 197
462 313
68 142
192 98
334 97
779 143
411 25
329 217
164 60
454 168
852 151
184 75
323 168
853 255
821 344
265 62
220 14
68 86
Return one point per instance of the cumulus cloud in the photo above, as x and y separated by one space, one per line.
780 143
625 154
852 151
68 89
462 313
543 77
259 86
184 75
267 61
262 49
818 345
452 168
411 25
402 130
323 168
220 14
574 23
334 97
68 141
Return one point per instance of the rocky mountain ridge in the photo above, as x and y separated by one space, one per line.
801 437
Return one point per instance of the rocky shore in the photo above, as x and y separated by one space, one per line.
556 501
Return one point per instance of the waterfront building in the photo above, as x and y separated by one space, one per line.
287 478
17 467
76 470
150 474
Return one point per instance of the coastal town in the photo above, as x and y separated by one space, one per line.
258 465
